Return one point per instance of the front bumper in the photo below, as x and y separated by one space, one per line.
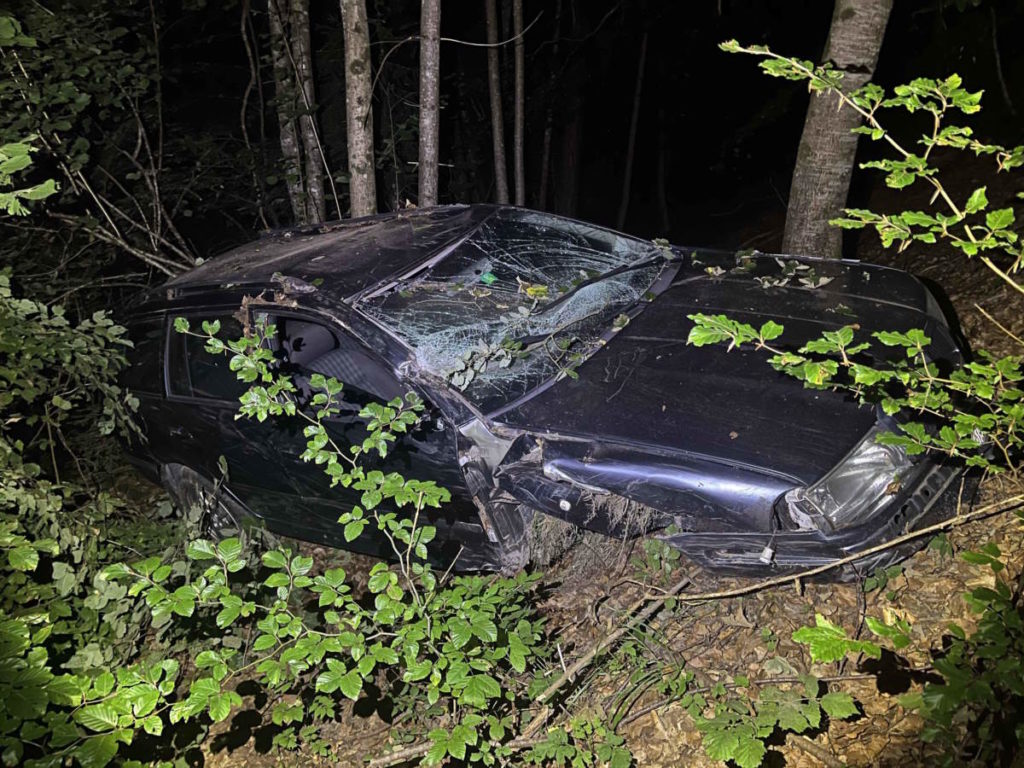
930 497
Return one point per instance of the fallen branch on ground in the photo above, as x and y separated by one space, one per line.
815 750
989 510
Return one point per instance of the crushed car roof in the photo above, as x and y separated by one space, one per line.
344 257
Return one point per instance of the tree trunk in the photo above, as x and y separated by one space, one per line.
358 108
497 119
549 116
627 176
661 180
520 102
567 189
430 76
284 93
467 182
302 64
824 163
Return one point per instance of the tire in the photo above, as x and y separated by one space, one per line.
218 515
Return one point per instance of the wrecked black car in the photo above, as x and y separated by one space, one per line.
552 358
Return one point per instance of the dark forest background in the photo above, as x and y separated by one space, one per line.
716 141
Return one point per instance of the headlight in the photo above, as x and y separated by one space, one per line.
852 492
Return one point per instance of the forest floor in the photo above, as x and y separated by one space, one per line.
751 636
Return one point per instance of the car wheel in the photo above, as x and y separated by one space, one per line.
216 514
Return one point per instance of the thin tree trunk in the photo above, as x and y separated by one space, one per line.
520 102
302 59
549 117
545 160
662 174
358 108
824 163
430 76
627 177
284 93
999 61
497 119
467 182
567 190
253 58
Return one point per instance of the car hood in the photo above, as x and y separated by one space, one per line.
649 389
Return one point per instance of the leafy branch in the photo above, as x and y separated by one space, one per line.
961 225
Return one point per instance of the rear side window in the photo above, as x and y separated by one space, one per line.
194 372
143 375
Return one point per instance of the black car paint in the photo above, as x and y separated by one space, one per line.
704 440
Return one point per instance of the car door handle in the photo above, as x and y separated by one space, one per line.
180 431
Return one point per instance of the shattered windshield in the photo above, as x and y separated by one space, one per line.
524 298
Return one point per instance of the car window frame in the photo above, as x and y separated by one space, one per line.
159 391
194 316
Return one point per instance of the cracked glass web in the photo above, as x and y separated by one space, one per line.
519 276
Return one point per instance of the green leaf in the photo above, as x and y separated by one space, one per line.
231 611
720 743
827 642
263 642
353 529
749 752
438 750
417 670
771 330
999 219
898 634
229 549
219 706
484 628
336 677
65 689
201 549
183 601
478 689
97 751
516 653
275 559
977 201
23 558
461 632
204 688
277 580
144 700
103 684
621 758
838 705
97 717
351 684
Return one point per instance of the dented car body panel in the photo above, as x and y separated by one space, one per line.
552 355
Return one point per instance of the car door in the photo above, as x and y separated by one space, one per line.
313 345
203 400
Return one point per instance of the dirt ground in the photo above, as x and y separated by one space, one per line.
728 638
